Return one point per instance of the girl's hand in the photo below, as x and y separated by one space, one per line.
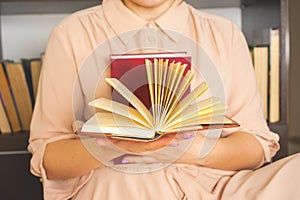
171 139
143 152
190 155
141 147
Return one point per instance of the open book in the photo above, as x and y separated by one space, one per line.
172 110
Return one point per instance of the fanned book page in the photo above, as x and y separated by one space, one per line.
174 108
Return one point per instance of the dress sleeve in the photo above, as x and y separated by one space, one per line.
243 98
53 113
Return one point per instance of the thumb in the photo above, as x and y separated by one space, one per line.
102 141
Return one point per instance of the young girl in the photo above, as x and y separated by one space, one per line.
232 170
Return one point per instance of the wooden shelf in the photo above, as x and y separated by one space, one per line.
15 168
14 142
16 180
281 129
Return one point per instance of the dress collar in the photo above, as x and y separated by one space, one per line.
123 20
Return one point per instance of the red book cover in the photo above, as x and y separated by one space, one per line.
130 69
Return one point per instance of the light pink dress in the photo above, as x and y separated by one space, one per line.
67 66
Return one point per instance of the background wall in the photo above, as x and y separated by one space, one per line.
294 71
232 13
36 28
31 41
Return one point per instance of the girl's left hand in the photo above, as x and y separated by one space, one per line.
142 147
157 157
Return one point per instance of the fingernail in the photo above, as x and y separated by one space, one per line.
188 137
125 161
174 144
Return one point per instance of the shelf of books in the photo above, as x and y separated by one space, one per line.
18 86
266 66
267 38
18 83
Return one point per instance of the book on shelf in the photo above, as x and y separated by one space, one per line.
274 105
18 87
20 91
261 67
36 67
173 107
266 60
8 100
32 69
4 122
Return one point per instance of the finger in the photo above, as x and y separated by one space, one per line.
174 143
186 135
101 141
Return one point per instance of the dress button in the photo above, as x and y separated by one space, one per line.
151 25
151 39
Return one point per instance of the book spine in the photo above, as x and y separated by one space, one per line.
274 110
261 67
4 122
8 100
20 90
